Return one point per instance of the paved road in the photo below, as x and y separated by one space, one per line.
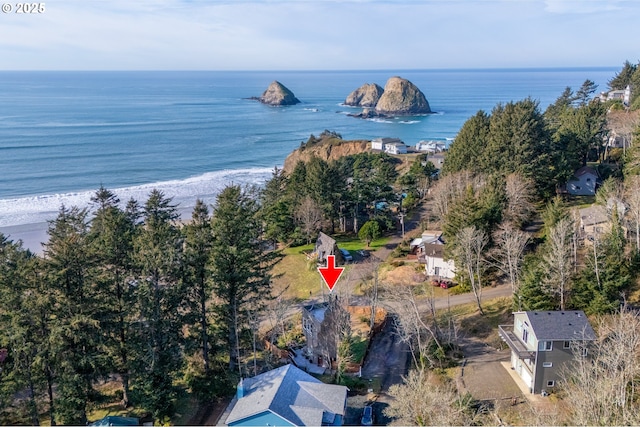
388 357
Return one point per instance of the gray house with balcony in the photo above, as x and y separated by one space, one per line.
543 342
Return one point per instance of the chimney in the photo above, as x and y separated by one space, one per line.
240 390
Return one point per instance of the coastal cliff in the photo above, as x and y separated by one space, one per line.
278 94
329 146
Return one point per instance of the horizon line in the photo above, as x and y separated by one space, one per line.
543 68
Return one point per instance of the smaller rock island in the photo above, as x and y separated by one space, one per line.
277 94
366 95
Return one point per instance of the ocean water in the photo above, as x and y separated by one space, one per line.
63 134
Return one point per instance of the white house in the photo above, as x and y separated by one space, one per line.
435 264
622 94
395 148
431 146
381 143
431 251
583 182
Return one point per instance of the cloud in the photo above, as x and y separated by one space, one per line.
582 6
312 34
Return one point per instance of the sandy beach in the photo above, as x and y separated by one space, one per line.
32 235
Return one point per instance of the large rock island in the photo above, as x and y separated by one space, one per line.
399 97
278 94
402 97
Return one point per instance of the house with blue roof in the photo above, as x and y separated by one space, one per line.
287 396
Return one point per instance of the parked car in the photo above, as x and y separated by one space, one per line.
444 284
346 255
367 416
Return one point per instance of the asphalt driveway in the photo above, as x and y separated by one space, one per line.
388 357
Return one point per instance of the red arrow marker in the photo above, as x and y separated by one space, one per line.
331 273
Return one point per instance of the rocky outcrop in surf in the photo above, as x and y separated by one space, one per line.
402 97
277 94
366 95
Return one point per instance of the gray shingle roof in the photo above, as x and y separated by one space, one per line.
560 325
325 245
292 394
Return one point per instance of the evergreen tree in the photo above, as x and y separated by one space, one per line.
111 236
198 241
601 285
369 231
239 267
623 77
276 208
22 370
160 297
583 95
75 332
518 142
532 295
468 146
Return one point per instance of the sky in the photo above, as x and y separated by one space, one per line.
318 34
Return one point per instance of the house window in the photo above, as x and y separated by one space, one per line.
567 344
551 383
307 325
545 346
518 324
525 335
547 364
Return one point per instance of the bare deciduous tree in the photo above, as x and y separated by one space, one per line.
558 260
418 333
520 197
470 256
425 400
452 187
309 215
632 199
509 252
602 389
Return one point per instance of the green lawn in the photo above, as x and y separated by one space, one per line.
355 244
298 277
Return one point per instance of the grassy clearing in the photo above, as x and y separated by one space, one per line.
353 244
497 312
297 277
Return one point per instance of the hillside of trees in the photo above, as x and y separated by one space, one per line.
130 294
125 292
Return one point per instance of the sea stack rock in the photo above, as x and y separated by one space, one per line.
278 94
400 96
366 95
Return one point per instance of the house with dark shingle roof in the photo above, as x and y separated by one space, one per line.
326 246
543 342
287 396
